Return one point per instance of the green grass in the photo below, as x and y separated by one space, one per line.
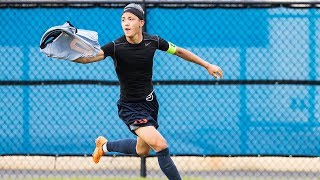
56 178
98 179
184 178
106 179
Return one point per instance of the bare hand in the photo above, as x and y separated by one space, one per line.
215 71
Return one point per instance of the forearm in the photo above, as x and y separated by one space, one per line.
189 56
85 60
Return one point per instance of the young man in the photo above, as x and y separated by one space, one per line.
138 107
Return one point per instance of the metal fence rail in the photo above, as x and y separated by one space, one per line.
261 120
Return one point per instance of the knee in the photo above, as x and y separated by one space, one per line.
160 145
143 151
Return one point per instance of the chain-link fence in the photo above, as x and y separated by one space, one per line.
261 120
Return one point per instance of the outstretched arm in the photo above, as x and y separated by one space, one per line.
214 70
85 60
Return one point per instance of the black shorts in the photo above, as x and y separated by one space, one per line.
139 114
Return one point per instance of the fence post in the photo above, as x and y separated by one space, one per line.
143 167
26 146
145 15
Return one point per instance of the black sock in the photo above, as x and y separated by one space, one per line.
167 165
126 146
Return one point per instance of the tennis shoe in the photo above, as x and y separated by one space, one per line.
98 151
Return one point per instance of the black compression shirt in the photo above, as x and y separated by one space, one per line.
133 64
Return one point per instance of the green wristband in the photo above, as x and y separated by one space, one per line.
172 48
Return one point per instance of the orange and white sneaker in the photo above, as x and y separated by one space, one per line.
98 151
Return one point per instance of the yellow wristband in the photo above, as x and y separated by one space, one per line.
172 48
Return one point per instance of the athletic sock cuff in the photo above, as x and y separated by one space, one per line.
163 152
